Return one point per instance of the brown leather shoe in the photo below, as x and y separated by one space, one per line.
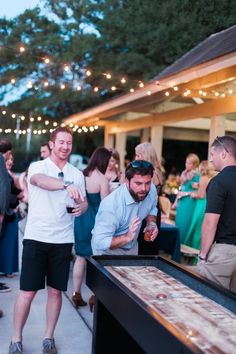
91 302
78 300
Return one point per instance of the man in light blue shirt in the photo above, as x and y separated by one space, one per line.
121 213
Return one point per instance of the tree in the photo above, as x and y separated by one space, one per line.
25 50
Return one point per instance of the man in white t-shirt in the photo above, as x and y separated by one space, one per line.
53 183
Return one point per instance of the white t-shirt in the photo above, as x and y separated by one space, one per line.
48 220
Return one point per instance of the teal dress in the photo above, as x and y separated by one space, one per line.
185 209
84 225
194 234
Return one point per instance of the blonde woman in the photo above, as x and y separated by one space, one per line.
145 151
113 173
186 204
194 233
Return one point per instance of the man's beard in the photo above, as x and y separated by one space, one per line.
136 196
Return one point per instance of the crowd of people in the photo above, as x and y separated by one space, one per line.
104 210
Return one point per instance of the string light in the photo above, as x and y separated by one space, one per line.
44 131
46 60
30 84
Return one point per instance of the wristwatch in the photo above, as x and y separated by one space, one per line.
67 184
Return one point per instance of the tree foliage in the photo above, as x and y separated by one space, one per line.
134 38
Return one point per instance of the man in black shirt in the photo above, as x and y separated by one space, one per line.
217 257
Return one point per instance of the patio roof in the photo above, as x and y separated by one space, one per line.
207 73
216 45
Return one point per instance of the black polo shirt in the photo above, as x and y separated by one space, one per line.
221 199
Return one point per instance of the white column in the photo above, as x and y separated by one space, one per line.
121 147
145 135
108 139
217 128
157 140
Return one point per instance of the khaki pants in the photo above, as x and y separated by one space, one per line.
220 266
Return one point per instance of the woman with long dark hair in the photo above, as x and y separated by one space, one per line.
97 187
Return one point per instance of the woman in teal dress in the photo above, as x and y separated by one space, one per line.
97 187
194 233
184 203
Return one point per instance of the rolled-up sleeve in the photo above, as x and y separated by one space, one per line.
153 201
106 224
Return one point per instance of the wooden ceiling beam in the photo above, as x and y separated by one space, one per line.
212 108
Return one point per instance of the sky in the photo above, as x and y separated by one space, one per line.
13 8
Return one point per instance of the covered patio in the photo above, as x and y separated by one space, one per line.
193 99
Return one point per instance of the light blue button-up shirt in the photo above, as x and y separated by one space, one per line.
115 213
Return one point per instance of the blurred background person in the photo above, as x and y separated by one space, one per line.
23 211
9 240
4 202
146 151
44 151
194 233
171 185
4 190
113 172
184 204
97 187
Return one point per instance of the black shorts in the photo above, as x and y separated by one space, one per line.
42 261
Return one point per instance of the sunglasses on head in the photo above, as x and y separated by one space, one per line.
61 174
140 163
222 144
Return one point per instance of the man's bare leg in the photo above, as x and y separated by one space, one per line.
53 309
21 313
